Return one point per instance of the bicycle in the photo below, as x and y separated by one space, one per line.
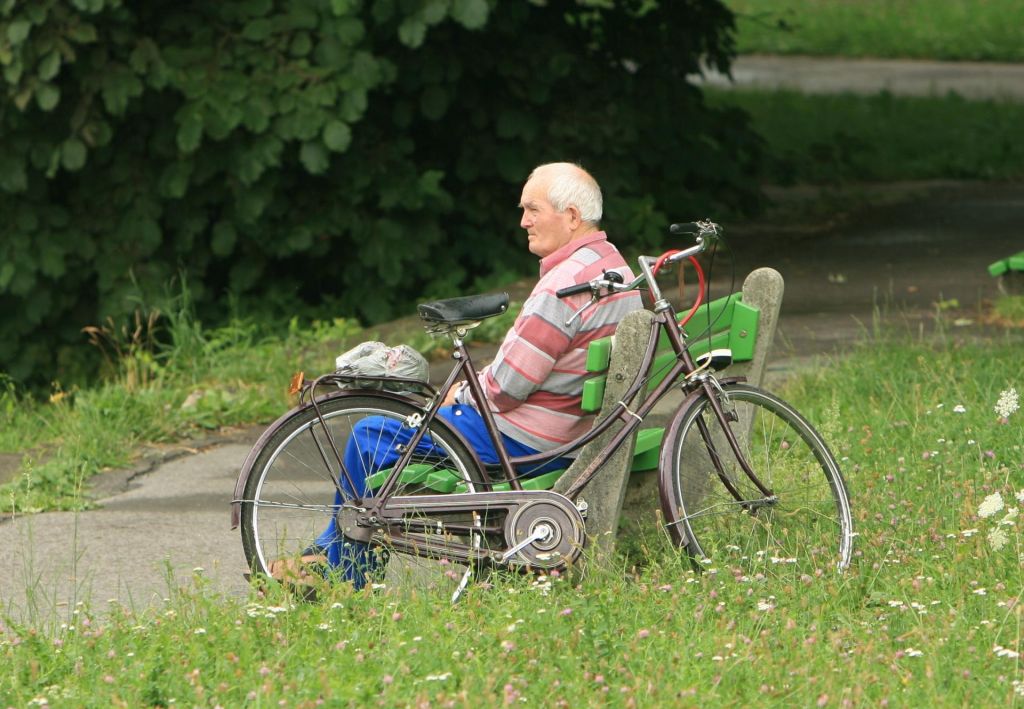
744 478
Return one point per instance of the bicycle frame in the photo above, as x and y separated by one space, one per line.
664 320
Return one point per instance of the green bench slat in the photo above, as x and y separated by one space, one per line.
735 321
1010 263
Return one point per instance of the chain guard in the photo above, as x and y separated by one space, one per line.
526 511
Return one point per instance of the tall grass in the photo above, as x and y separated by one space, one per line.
160 387
929 614
988 30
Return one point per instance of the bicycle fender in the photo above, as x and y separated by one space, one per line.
669 506
250 459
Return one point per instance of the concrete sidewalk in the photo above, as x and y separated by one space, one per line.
971 80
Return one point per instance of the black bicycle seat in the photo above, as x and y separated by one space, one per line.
467 309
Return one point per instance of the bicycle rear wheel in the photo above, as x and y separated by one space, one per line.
291 496
714 508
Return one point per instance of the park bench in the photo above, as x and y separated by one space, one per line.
732 324
1010 272
742 322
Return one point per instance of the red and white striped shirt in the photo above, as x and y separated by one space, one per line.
535 384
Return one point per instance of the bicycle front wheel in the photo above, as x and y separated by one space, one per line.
718 511
292 494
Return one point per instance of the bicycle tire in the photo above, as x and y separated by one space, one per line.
807 527
289 497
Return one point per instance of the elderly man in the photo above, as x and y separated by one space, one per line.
535 383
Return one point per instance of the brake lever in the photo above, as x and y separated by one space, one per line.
593 299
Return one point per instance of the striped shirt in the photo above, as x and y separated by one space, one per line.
535 384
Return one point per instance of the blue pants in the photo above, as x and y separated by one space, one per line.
375 445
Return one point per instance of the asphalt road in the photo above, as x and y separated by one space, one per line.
152 530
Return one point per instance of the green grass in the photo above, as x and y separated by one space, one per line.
829 138
1009 308
987 30
928 615
201 381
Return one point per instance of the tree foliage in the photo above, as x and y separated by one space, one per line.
354 153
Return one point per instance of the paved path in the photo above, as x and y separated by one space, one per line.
972 80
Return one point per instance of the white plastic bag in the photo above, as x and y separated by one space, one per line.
376 359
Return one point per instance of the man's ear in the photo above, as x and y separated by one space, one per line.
575 218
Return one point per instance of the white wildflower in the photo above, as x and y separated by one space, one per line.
959 409
199 631
912 652
1001 651
1008 403
764 606
997 538
438 678
990 505
979 592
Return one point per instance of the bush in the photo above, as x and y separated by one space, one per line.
342 154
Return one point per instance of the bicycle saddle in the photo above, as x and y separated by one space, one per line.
465 310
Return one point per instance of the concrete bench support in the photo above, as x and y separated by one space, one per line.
605 493
615 492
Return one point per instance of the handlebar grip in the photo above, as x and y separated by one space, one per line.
573 290
684 228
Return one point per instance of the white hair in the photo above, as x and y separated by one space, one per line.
572 186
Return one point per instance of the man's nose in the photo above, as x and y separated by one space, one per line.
525 222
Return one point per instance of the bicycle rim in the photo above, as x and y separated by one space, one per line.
804 524
290 498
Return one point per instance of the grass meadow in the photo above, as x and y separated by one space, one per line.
830 139
929 613
982 30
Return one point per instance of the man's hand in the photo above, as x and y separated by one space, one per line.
449 398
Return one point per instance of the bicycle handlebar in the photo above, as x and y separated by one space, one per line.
706 233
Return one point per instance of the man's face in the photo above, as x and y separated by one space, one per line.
546 229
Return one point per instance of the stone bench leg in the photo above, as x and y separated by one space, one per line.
605 493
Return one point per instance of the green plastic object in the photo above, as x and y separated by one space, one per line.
599 355
414 474
647 449
734 325
1016 262
998 268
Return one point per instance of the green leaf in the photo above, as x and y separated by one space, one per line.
12 75
6 274
174 180
17 31
412 32
471 14
434 11
337 136
49 66
301 45
258 30
82 33
47 96
224 237
73 154
342 7
12 173
190 132
314 158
